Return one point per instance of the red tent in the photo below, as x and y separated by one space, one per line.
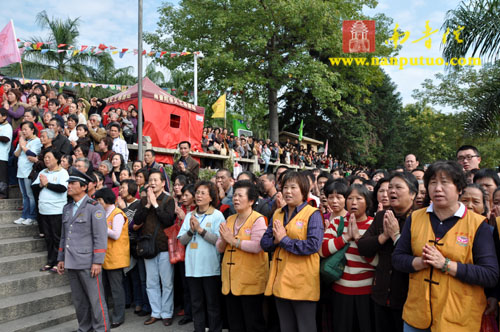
167 119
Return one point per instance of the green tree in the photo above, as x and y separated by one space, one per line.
481 33
476 92
59 66
154 75
370 135
481 37
263 48
431 135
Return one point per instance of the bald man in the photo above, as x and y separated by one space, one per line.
411 162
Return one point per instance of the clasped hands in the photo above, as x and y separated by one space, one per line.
194 224
352 230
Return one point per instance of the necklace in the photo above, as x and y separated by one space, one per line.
240 219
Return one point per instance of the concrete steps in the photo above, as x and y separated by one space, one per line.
30 300
8 216
15 307
22 263
9 231
20 245
41 321
29 282
69 326
11 204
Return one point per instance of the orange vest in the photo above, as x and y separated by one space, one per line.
498 225
436 299
244 273
294 277
118 252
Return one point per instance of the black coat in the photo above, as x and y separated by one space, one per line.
390 287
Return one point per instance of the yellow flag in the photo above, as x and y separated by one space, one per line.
219 107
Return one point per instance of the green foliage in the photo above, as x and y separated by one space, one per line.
430 135
207 174
370 134
263 48
481 33
477 92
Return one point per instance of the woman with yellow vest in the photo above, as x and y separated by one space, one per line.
294 234
245 266
117 253
495 208
450 255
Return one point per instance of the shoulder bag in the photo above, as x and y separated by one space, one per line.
146 244
332 267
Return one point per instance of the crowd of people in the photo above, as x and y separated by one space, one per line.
223 142
411 249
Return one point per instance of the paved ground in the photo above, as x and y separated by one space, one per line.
132 323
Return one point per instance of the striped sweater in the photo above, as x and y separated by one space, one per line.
358 274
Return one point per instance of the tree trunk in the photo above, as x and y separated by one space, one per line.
273 114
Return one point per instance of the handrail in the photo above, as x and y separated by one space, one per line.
255 166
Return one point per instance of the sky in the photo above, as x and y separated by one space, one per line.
114 22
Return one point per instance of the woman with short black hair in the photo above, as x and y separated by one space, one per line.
29 146
335 192
199 233
390 287
294 234
351 293
51 184
475 198
380 196
449 253
245 265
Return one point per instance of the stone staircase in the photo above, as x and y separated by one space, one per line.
29 300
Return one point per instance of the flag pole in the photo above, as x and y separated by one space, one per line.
139 85
15 38
22 73
225 111
195 71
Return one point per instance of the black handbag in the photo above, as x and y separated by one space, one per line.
133 237
146 245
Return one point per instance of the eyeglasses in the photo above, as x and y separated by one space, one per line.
468 157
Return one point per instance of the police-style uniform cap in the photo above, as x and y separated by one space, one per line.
77 176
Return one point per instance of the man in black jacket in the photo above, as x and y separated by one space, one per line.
157 212
60 142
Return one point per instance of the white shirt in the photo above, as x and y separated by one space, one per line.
51 202
120 146
73 137
5 130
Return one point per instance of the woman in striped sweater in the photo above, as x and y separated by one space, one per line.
351 300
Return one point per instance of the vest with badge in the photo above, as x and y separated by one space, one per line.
244 273
498 225
118 252
436 300
294 277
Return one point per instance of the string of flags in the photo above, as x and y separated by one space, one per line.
71 50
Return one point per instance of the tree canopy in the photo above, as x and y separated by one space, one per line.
267 48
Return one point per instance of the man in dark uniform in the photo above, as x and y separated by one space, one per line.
82 249
186 165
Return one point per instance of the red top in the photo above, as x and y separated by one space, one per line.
358 273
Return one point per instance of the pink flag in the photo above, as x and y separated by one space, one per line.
9 52
326 149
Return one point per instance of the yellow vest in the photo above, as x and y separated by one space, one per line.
244 273
436 299
498 226
294 277
118 252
